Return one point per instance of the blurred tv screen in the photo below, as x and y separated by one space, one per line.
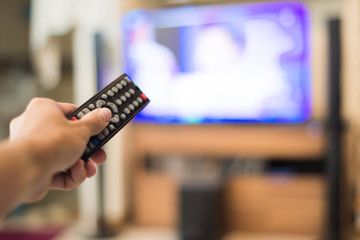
243 63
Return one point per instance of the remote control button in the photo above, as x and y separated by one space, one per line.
143 97
114 89
104 96
132 91
113 107
85 110
111 127
87 150
80 114
100 103
74 119
122 116
135 103
91 106
124 83
91 145
127 94
127 79
131 107
105 132
95 141
118 102
110 93
119 86
123 98
127 111
100 136
115 119
140 100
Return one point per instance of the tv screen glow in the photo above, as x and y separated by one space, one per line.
221 64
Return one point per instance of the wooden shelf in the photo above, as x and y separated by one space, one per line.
258 203
295 141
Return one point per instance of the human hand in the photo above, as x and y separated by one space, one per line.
55 143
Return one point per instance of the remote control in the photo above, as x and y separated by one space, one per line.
123 98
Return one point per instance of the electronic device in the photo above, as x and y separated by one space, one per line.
201 209
123 98
234 63
335 130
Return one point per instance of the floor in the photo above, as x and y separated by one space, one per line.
135 233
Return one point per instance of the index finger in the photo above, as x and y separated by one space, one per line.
66 107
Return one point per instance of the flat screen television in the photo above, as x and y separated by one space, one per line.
238 63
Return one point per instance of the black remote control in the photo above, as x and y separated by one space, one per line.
123 98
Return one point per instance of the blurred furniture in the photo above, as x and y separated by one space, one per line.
268 203
294 204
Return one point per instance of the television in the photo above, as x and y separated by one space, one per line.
234 63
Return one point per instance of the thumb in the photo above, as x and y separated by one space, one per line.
96 120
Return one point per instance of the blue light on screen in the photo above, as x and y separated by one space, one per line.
221 63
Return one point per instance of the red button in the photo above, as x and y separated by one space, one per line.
143 96
74 119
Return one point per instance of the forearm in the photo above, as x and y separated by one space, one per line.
20 174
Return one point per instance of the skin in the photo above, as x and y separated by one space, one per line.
42 143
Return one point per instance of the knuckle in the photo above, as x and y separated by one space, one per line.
39 101
36 100
13 122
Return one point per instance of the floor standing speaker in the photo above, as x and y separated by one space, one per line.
201 210
334 133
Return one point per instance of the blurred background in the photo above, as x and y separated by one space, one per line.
252 131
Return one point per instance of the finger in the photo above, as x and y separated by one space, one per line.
99 157
91 169
66 107
70 180
96 120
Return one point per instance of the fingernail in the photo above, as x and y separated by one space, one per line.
106 113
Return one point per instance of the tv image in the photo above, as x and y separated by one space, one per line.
242 63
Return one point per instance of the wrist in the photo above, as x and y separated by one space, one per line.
20 174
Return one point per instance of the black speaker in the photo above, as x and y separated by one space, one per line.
334 133
201 210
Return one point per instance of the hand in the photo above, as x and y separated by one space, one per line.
56 143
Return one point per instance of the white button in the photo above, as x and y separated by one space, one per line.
101 136
119 86
139 99
115 119
127 111
104 96
132 91
110 93
80 114
122 116
114 89
85 110
123 83
123 98
100 103
105 132
135 103
127 94
118 102
131 107
113 107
